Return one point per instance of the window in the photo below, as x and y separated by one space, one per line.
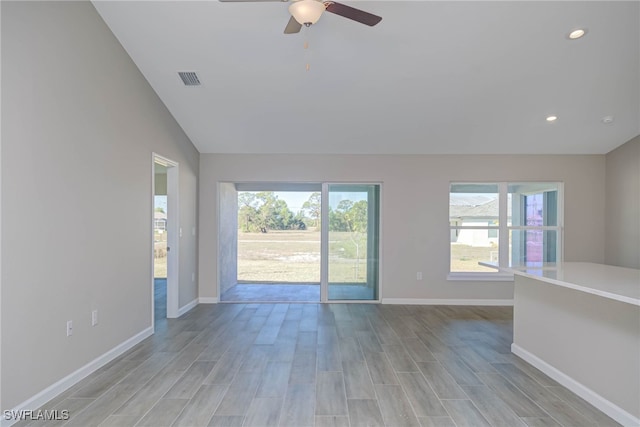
534 228
503 224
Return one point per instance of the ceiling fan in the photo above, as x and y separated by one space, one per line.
307 12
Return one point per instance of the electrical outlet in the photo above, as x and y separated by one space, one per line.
69 328
94 317
419 275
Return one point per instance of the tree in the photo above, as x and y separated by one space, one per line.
357 217
283 217
312 207
353 218
298 222
337 222
263 211
248 211
266 211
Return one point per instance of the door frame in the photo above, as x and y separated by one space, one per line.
324 231
173 232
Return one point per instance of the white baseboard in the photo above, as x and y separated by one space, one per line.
55 389
606 406
187 307
416 301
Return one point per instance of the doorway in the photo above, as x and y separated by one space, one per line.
289 242
269 242
164 239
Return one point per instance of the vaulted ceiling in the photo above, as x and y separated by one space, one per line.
433 77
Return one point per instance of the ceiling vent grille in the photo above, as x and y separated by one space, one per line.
189 78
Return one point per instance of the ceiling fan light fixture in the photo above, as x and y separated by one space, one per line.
306 12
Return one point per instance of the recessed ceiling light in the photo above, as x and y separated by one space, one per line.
552 118
577 33
607 120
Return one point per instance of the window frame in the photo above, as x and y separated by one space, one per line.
504 230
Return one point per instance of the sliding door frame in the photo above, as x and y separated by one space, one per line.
324 244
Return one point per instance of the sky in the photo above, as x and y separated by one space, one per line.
160 202
294 199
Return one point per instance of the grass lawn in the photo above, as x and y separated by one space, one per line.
160 254
294 256
160 267
466 258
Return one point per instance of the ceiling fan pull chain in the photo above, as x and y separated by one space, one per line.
306 48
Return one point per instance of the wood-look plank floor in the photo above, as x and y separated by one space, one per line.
325 365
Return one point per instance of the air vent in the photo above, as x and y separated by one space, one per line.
189 78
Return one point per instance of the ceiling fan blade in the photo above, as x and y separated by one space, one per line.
293 26
358 15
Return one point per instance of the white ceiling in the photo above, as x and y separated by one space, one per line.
433 77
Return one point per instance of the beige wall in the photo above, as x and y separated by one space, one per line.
622 225
80 124
415 194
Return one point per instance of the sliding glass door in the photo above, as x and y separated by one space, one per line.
333 238
353 224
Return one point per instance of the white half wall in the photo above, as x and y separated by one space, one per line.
588 343
415 209
80 124
622 226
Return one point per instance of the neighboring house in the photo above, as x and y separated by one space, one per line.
476 215
477 211
159 221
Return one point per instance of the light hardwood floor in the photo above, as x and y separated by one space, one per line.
325 365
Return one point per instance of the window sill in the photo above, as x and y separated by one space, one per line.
480 277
